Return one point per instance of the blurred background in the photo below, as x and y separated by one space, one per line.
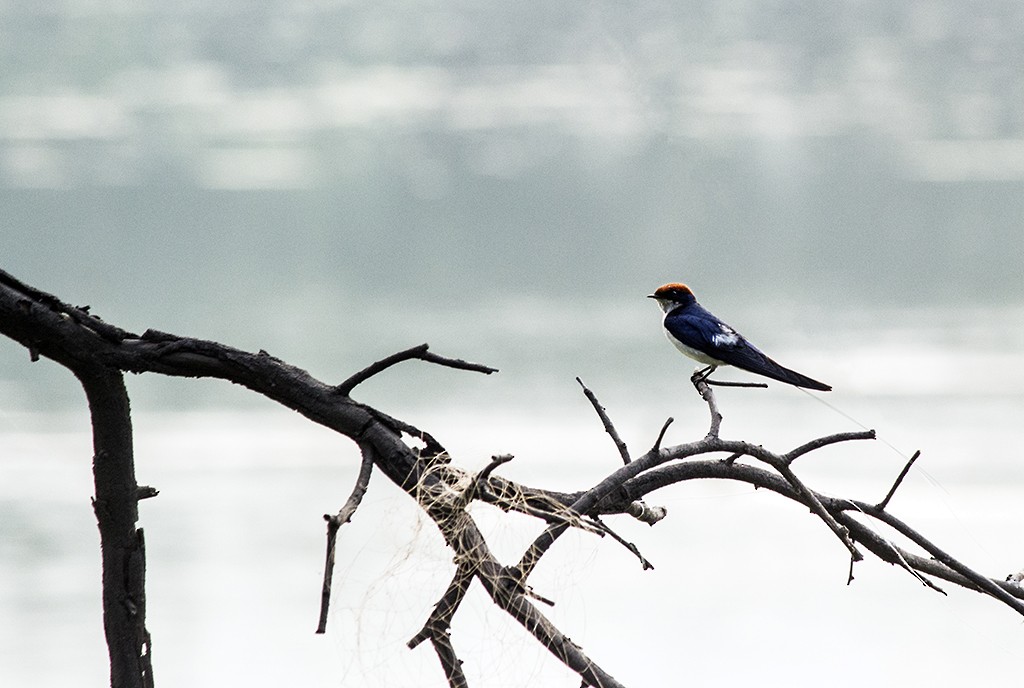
334 181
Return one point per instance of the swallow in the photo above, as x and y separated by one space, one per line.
706 339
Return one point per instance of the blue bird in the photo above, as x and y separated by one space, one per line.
706 339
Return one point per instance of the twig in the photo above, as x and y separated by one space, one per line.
731 459
625 543
420 352
609 427
899 479
335 522
793 454
661 435
727 383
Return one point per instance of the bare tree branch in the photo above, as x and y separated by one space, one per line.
727 383
982 583
793 454
438 625
334 523
421 352
122 546
628 545
98 353
661 434
609 427
899 480
840 508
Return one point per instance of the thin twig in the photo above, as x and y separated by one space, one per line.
820 442
420 352
335 522
625 543
661 435
731 459
609 427
727 383
899 479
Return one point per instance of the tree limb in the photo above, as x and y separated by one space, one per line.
122 546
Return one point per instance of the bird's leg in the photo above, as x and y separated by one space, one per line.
702 374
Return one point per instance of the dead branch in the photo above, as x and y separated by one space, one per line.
899 480
793 454
609 427
661 434
98 353
122 545
334 523
438 625
421 352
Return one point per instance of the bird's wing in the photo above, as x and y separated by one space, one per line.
698 328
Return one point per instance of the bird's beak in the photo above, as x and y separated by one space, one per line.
652 296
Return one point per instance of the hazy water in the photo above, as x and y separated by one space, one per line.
235 539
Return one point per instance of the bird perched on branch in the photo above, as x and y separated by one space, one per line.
706 339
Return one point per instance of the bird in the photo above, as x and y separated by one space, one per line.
706 339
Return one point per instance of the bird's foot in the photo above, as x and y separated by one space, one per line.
702 374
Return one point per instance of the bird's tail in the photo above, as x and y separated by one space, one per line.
755 361
796 379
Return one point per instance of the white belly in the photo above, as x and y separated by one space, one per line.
698 356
